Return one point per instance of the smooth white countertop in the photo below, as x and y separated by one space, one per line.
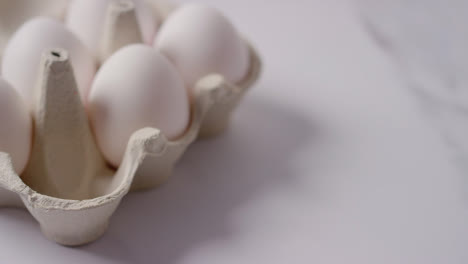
352 148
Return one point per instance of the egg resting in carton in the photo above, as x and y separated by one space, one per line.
67 186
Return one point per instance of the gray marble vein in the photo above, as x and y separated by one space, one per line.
428 42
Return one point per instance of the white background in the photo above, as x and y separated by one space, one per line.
330 159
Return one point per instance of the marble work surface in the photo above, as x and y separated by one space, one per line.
427 40
351 149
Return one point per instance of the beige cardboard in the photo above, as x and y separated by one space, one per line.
67 186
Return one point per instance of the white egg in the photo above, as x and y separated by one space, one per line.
199 40
86 19
136 87
21 61
15 126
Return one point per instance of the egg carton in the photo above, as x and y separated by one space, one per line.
67 186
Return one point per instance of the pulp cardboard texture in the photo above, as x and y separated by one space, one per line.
67 186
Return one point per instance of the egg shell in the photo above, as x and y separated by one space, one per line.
86 19
199 40
136 87
20 64
16 126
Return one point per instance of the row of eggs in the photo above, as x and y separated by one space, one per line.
147 84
